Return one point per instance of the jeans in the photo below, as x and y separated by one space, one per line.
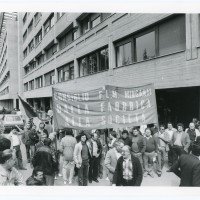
28 152
18 156
93 170
148 161
170 155
101 164
177 151
68 166
161 158
83 174
49 179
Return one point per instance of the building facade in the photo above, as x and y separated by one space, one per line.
8 60
84 51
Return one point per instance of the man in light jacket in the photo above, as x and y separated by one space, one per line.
82 155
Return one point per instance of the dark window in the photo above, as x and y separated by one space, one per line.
25 18
37 17
38 37
85 25
25 87
40 59
25 53
39 82
30 27
94 62
24 36
49 78
124 55
172 36
32 65
95 19
48 24
60 14
51 51
66 72
66 39
31 85
145 46
31 45
26 70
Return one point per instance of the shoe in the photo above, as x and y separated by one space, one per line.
151 174
95 180
65 182
145 174
60 175
22 168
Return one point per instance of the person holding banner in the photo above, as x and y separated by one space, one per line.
82 156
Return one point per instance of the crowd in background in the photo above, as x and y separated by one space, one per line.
123 157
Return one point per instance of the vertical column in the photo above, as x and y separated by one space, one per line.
111 52
188 37
76 68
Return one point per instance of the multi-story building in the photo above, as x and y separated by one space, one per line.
8 60
84 51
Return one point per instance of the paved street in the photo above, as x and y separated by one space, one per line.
167 179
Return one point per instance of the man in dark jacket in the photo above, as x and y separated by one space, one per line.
188 167
128 171
138 145
46 160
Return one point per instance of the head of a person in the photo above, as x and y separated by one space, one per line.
83 136
147 132
28 126
169 125
34 127
162 128
98 132
14 130
194 120
95 136
38 174
192 126
135 131
8 158
118 145
68 131
126 151
47 142
43 136
42 125
4 144
112 134
124 134
180 127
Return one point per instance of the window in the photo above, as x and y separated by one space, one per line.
38 37
26 70
25 53
40 59
85 25
31 45
66 72
95 19
24 36
37 17
66 39
25 18
172 36
31 85
124 56
48 24
51 51
161 39
39 82
105 15
94 62
32 65
145 46
30 27
25 87
60 14
49 78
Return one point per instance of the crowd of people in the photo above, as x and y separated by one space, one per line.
125 157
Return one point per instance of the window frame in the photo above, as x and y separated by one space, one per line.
60 70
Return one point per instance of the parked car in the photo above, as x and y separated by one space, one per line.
11 120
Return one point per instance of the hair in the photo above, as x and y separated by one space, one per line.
162 125
42 123
180 124
82 133
47 142
125 131
5 155
147 129
46 122
14 128
113 133
118 142
36 170
68 131
169 123
4 144
135 129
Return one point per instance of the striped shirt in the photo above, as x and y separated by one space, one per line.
127 169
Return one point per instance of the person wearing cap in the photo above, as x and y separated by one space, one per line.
188 167
126 139
82 156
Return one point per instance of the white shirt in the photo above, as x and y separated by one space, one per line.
14 138
170 132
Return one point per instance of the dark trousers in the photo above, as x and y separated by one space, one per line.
101 164
94 168
28 152
83 174
177 151
18 156
49 179
127 182
170 155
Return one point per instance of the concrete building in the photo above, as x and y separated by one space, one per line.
8 60
84 51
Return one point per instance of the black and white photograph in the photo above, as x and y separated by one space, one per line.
99 99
